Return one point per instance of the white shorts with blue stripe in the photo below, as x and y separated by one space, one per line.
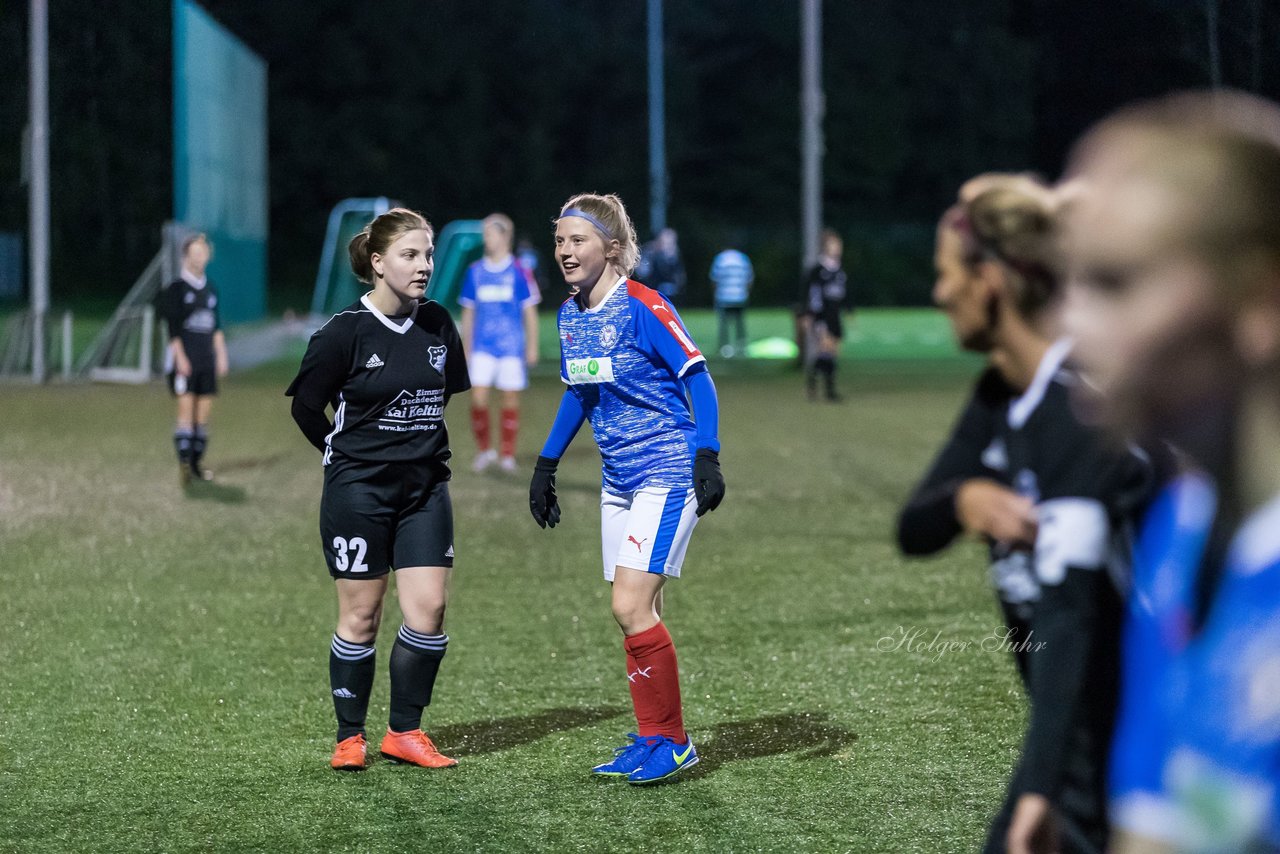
647 529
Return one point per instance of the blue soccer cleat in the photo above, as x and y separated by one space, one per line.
628 757
665 759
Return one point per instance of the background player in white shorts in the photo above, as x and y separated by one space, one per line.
500 331
633 370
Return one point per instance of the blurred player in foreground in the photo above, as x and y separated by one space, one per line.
196 356
500 331
1046 492
629 364
388 365
1175 251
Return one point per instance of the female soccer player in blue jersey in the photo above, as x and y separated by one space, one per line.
632 369
499 302
387 365
1175 248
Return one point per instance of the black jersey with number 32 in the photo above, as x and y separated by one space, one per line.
387 379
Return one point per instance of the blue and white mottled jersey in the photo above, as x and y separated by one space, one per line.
732 274
624 360
1196 756
498 294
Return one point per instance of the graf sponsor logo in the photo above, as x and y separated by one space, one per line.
594 370
504 292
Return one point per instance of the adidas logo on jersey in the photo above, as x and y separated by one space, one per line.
343 694
374 362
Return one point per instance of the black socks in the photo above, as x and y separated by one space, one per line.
415 661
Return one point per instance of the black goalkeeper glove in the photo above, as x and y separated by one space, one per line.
542 493
708 483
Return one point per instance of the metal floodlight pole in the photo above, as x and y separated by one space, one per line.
39 186
812 107
657 124
1215 61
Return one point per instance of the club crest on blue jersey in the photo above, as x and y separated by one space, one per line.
608 336
436 356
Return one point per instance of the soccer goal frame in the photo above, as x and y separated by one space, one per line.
129 349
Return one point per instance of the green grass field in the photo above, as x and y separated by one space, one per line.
164 685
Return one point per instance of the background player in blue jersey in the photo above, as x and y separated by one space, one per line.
500 331
387 365
196 356
1175 249
1050 496
632 369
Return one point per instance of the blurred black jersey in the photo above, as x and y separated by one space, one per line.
190 311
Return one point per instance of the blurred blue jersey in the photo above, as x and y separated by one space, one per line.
732 274
1196 756
498 294
624 360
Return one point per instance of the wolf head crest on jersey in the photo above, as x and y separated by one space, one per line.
436 356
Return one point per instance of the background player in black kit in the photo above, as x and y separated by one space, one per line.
387 365
823 295
1050 496
197 354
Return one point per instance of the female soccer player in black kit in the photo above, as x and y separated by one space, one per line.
197 354
822 298
388 365
1050 496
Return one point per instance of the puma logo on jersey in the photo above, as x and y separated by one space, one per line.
631 677
639 543
374 362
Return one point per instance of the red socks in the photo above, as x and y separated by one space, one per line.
655 683
480 426
510 427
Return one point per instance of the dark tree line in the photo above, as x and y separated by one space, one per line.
459 108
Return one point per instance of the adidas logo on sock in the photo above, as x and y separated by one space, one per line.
374 362
343 694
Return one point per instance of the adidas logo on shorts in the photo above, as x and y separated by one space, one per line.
374 362
449 553
343 694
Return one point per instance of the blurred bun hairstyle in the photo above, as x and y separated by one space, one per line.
1014 221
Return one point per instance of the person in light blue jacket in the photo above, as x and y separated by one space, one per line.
732 275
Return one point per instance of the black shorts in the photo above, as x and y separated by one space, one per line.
376 517
202 382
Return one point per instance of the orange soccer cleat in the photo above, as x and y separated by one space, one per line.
415 748
349 754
